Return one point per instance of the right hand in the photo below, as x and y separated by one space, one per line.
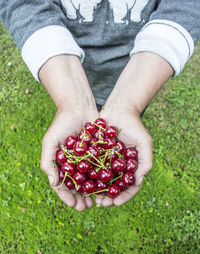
66 82
65 123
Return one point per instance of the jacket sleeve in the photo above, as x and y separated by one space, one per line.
172 32
38 28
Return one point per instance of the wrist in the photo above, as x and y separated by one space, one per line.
66 82
141 79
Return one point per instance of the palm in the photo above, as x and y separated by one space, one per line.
132 133
64 124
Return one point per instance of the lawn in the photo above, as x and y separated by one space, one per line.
163 218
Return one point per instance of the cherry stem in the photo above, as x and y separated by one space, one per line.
68 155
102 109
53 164
101 164
115 179
99 126
99 196
84 136
87 195
76 185
94 163
98 142
119 154
66 174
119 131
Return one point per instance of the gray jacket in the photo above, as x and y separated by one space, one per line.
103 33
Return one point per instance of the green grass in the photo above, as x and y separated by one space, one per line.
163 218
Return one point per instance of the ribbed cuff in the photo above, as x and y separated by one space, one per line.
47 42
166 39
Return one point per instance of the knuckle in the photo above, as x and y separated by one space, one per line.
149 140
44 140
43 166
150 166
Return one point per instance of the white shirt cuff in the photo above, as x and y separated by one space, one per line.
47 42
166 39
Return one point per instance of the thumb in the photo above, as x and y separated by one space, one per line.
145 160
48 157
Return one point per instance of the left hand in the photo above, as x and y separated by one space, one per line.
141 79
133 133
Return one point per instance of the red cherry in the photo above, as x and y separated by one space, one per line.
94 151
107 164
100 185
93 174
94 142
110 143
120 147
88 186
79 177
90 127
70 141
68 167
118 165
131 165
111 157
120 184
105 175
69 183
130 153
102 151
61 175
60 156
80 148
101 123
99 134
128 178
83 166
113 191
58 165
79 188
85 135
111 131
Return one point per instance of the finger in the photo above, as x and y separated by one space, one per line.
126 195
80 203
48 156
89 202
99 201
65 195
145 160
107 201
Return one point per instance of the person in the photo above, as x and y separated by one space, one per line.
114 53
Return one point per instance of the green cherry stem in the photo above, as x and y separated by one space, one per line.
66 174
87 195
119 154
53 163
102 109
115 179
100 127
119 131
68 156
100 163
84 136
76 185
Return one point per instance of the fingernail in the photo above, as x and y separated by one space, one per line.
51 180
139 180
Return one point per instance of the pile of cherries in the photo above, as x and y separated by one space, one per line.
96 162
